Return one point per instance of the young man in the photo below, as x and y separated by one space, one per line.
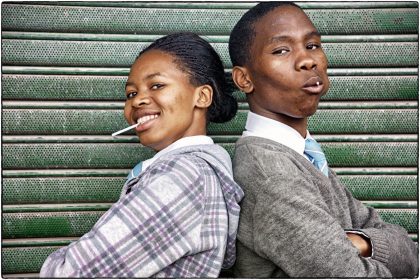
297 219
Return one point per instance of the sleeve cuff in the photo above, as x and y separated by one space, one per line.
365 236
378 241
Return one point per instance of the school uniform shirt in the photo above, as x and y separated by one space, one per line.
177 219
259 126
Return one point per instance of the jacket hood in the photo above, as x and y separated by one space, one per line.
220 161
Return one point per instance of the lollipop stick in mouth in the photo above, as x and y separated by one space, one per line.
125 129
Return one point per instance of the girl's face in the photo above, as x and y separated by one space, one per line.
161 97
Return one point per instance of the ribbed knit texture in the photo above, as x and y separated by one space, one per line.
294 219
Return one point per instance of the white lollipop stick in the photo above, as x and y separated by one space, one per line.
125 129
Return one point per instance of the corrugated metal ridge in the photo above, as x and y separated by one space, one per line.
118 105
115 172
210 38
217 138
227 4
388 204
57 241
63 207
125 71
95 207
26 242
21 275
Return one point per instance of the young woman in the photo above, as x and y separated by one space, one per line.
178 211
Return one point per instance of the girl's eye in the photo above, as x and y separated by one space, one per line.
131 95
156 86
280 51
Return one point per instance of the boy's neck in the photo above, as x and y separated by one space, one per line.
298 124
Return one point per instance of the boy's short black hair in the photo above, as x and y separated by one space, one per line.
243 33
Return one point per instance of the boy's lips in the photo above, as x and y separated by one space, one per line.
313 85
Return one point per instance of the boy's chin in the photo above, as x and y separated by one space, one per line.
308 112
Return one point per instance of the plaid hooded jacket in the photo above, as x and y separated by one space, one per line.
177 219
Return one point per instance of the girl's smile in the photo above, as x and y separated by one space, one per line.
145 122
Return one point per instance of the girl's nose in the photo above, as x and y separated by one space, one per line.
140 100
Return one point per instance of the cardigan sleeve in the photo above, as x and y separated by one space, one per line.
295 230
391 244
148 229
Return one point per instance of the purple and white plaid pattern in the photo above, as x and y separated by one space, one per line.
173 223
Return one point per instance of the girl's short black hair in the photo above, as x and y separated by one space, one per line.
243 34
200 61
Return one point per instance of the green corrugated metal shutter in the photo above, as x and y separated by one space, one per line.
63 74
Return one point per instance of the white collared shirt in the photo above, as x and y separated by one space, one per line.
183 142
257 125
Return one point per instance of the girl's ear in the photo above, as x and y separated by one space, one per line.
240 76
205 96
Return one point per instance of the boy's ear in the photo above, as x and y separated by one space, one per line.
241 78
205 96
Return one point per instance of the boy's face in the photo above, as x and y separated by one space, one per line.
288 67
162 97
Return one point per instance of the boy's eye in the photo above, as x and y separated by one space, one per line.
157 86
280 51
131 95
312 46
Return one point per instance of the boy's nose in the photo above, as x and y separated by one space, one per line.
306 63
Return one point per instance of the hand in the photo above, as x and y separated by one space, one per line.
361 244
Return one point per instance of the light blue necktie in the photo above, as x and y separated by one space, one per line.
133 174
135 171
316 155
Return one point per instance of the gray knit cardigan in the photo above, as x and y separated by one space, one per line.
294 220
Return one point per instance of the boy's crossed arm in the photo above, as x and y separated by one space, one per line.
304 240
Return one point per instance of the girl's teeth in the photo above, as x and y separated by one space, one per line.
146 118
